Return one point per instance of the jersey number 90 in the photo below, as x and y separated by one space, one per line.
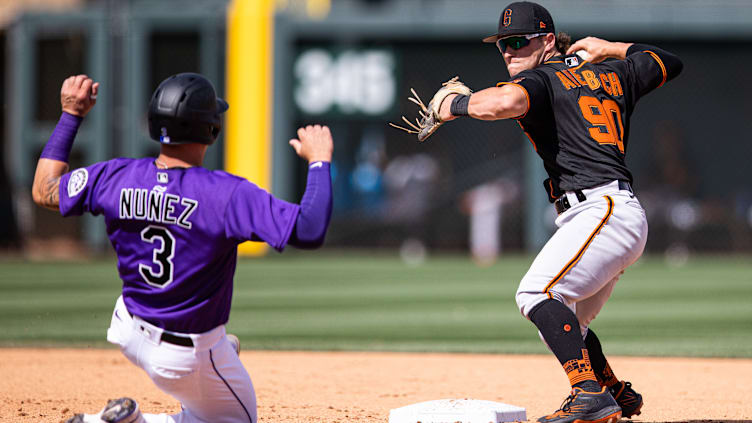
159 272
604 116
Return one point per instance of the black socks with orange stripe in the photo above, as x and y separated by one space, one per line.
601 368
559 327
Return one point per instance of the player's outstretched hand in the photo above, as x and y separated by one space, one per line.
78 95
598 50
314 143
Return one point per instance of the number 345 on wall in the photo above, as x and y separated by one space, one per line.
345 82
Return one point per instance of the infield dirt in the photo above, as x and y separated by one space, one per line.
50 385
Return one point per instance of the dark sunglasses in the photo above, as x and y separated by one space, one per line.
515 43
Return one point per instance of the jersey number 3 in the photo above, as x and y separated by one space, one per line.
159 273
604 116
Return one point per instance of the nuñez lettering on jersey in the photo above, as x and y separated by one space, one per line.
156 205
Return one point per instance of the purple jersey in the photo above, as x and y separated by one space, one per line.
176 232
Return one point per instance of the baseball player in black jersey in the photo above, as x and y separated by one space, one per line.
574 103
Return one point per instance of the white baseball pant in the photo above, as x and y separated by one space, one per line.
208 379
596 240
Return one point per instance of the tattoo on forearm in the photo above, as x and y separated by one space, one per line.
51 194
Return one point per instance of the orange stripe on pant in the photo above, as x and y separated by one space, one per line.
584 247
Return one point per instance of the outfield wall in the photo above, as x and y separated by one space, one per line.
350 64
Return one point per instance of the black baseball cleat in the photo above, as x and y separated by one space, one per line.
121 410
629 400
586 407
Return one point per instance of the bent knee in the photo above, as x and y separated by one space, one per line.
526 301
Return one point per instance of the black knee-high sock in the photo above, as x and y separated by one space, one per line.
601 368
561 330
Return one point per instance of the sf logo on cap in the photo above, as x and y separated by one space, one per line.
507 17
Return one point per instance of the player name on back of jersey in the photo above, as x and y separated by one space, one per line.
575 78
156 205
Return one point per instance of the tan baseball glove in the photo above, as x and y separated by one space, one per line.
429 115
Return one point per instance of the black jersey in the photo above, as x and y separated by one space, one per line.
579 113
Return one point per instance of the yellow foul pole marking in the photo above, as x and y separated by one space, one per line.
249 87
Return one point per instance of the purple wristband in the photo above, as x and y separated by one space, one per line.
315 208
61 141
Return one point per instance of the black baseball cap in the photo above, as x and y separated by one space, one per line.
522 17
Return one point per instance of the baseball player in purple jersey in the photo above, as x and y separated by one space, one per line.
175 227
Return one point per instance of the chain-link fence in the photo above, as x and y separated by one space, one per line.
469 185
687 151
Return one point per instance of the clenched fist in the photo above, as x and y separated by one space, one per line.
314 143
78 95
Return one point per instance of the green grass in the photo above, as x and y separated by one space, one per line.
334 301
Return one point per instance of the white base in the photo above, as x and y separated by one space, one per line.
457 411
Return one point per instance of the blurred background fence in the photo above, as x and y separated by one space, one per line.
474 186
